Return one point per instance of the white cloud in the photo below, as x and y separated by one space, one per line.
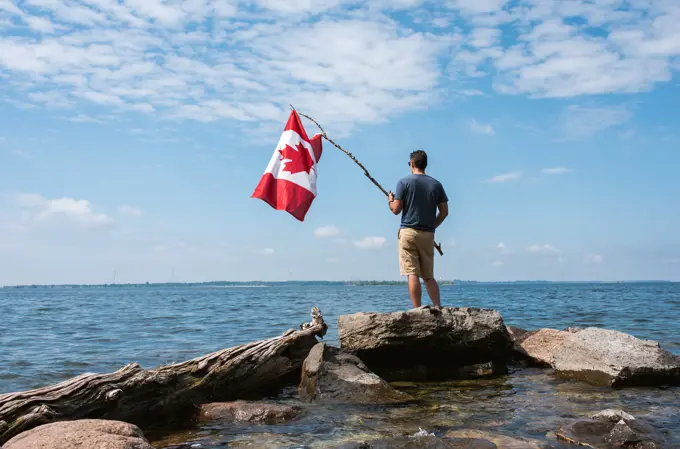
578 122
130 211
595 258
267 251
506 177
546 250
83 118
148 56
345 61
370 243
22 154
331 260
63 210
555 171
326 231
497 263
501 246
481 128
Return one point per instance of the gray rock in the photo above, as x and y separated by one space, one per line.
252 412
539 346
428 442
611 358
612 429
332 375
85 433
427 344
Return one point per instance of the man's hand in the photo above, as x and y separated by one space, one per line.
395 205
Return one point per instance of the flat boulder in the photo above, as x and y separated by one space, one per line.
424 442
84 433
539 346
428 344
612 429
332 375
611 358
502 441
251 412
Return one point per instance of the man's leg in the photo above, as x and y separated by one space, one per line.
433 291
409 263
414 290
426 257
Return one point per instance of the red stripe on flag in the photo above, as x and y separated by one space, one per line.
316 146
282 194
294 124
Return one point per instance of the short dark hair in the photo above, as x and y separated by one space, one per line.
419 158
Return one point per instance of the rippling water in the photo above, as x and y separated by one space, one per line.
51 334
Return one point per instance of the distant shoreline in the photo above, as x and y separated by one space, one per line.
261 284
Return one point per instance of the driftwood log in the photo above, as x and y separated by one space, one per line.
141 397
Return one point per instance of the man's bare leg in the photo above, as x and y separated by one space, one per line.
433 291
414 290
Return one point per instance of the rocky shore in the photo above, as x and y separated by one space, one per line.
379 353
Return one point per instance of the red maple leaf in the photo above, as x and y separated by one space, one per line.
298 161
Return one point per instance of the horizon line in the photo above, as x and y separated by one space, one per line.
254 282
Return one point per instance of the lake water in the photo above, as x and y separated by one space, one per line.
50 334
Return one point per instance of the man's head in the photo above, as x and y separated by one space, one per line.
418 161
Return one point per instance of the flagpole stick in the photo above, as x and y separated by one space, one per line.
356 161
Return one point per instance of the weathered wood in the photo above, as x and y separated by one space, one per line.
140 396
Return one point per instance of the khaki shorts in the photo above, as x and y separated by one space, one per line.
416 253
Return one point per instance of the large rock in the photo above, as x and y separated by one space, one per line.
332 375
252 412
606 357
612 429
502 441
538 346
86 433
428 344
426 442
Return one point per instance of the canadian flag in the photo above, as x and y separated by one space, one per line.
289 182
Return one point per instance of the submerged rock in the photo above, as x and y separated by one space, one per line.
333 375
84 433
501 441
611 358
427 442
539 346
612 429
428 344
252 412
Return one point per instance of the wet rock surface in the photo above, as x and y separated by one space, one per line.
427 344
425 442
86 433
332 375
611 358
611 429
250 412
501 441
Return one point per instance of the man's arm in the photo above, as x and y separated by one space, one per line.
395 205
443 213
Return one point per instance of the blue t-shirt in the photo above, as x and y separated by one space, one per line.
420 195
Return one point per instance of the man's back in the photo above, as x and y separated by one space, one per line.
420 195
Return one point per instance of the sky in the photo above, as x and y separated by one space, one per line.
133 132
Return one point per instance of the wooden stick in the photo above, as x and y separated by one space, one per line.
438 246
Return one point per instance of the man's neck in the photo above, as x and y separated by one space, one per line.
418 172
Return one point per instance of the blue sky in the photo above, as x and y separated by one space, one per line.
132 134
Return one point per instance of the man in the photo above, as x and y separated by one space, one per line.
418 198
